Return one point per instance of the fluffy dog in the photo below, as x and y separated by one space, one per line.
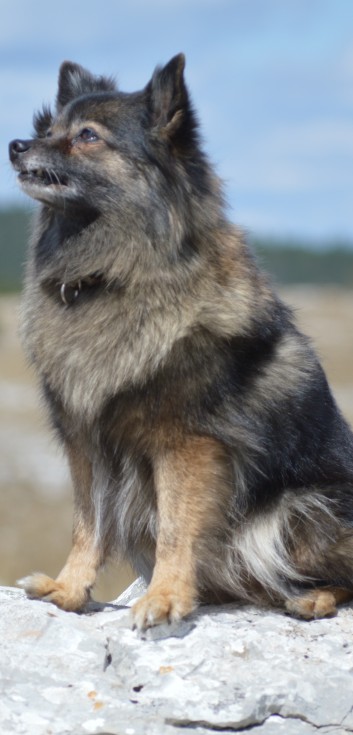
203 440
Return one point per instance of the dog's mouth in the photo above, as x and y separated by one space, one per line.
46 185
42 177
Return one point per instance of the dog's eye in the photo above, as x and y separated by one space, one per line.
48 134
88 135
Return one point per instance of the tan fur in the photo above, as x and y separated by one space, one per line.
188 510
285 375
192 486
319 603
204 444
159 320
71 589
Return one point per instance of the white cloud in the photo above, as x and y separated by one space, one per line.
273 130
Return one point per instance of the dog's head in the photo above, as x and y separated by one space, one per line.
101 146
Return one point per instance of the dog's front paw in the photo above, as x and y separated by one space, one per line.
40 586
161 605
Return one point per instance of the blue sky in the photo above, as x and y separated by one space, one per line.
272 81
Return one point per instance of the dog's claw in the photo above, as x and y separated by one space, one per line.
156 608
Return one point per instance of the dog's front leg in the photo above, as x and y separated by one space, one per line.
71 589
192 493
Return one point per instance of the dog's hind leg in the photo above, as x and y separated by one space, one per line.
71 589
192 497
321 549
318 603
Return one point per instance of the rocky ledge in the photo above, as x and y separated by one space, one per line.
228 669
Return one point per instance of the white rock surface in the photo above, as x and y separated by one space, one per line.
225 669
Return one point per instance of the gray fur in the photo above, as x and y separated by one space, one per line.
183 337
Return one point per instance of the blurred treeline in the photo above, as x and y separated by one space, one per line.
288 261
14 233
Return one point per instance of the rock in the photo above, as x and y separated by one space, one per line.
227 668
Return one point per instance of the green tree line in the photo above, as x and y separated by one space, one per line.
288 262
14 233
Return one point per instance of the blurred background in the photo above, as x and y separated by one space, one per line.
272 81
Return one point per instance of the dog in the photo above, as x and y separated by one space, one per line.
203 440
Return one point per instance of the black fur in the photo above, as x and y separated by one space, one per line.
182 342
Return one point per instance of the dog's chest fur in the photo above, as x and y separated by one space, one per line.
118 337
90 351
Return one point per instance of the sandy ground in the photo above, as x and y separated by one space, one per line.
35 497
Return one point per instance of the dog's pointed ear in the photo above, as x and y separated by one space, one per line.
74 81
168 97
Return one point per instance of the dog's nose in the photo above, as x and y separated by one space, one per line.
18 146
